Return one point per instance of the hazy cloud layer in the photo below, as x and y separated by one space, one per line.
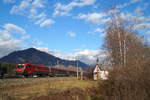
87 56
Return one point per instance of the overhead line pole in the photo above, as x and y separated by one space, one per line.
77 70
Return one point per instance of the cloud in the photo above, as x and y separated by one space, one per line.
11 28
40 18
99 30
140 10
127 4
139 22
73 4
4 36
9 46
63 10
38 3
95 18
71 34
60 13
35 15
34 10
27 4
102 18
35 43
47 50
142 26
25 37
47 22
87 56
19 9
8 43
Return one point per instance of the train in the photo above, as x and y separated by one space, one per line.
34 70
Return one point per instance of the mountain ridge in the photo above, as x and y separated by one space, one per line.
38 57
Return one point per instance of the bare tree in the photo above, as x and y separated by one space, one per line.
122 41
129 57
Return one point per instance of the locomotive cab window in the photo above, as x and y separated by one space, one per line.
20 66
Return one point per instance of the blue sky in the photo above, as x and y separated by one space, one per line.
70 29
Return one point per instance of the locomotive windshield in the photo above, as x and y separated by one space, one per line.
20 66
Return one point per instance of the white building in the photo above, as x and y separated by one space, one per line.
98 73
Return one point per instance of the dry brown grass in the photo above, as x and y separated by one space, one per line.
29 88
69 94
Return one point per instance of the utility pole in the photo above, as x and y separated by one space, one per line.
57 62
81 73
77 70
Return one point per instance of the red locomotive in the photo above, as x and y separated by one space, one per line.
29 69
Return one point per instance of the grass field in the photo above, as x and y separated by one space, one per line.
29 88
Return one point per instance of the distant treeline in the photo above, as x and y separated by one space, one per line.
7 68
